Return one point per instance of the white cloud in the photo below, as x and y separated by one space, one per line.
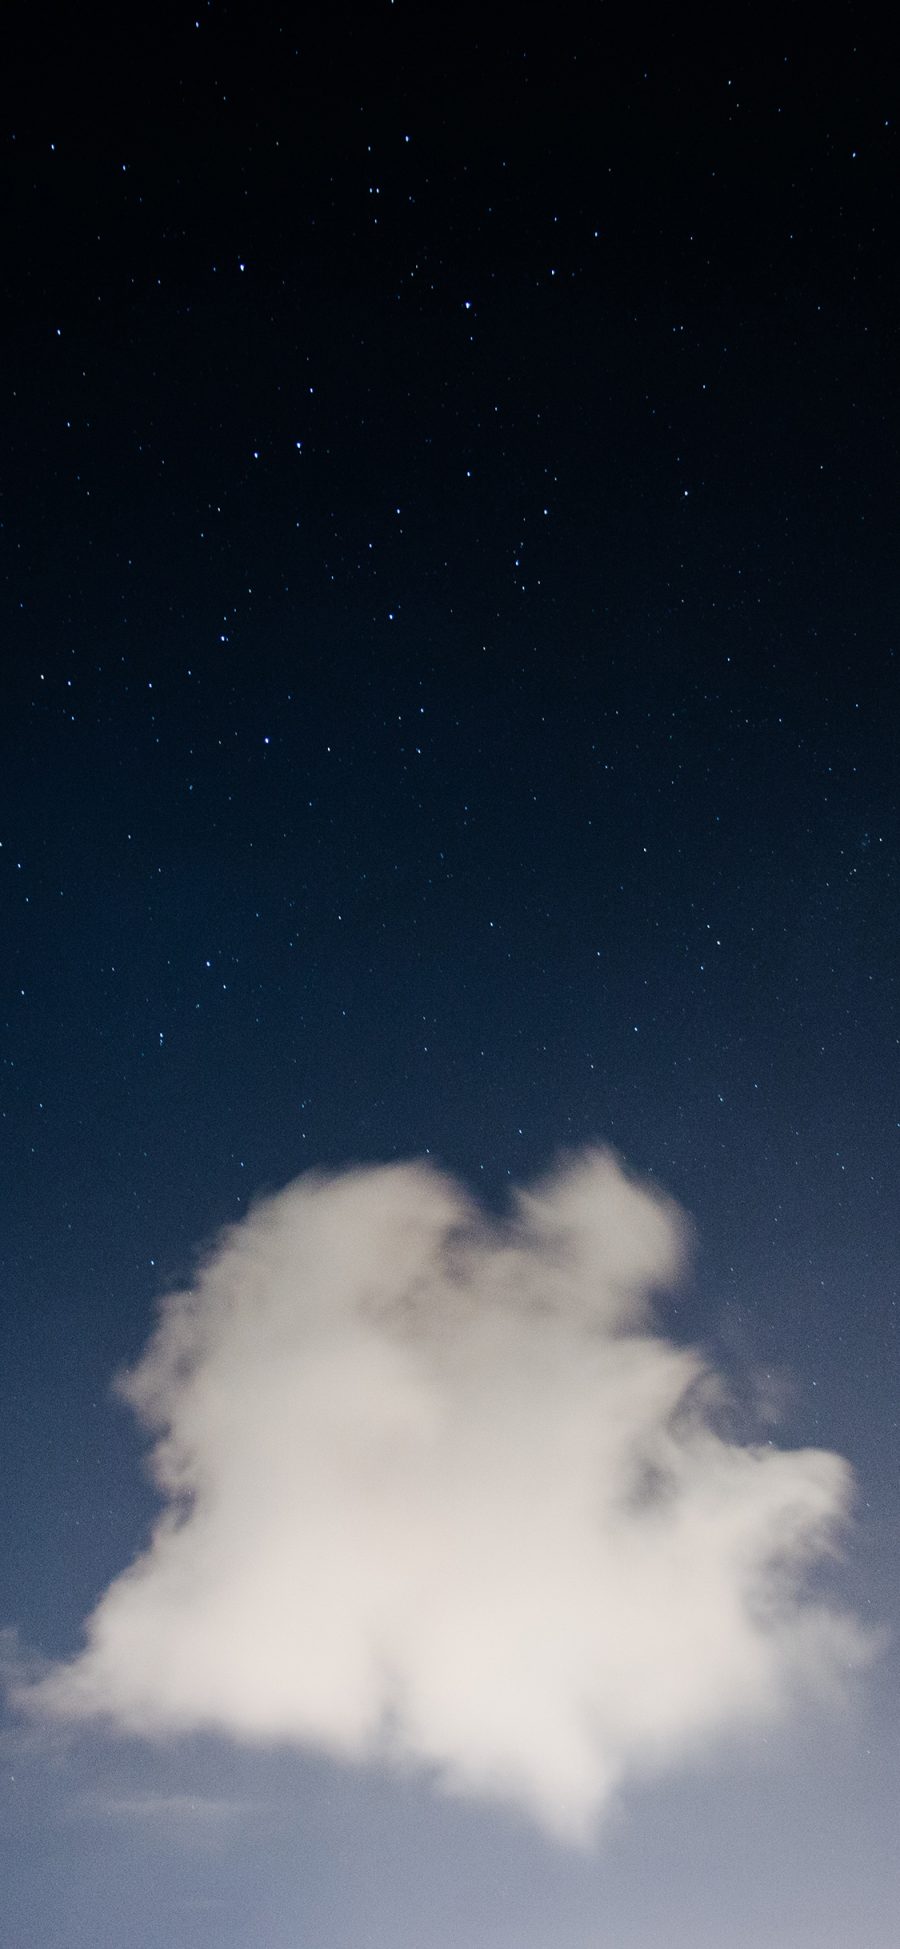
440 1490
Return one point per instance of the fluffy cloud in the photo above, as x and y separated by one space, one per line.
440 1491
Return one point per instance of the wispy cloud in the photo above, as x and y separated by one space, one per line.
163 1809
440 1490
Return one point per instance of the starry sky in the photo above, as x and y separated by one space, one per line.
450 719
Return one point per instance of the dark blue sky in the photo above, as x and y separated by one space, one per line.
451 702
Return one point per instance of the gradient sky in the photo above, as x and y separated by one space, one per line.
450 713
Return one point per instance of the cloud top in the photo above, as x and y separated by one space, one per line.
439 1490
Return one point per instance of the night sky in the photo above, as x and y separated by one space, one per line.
450 713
